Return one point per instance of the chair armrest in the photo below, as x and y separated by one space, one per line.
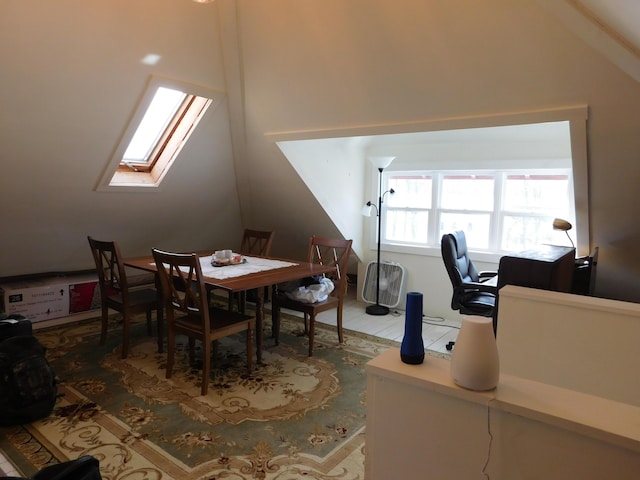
468 287
486 275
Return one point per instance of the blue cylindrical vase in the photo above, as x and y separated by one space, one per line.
412 348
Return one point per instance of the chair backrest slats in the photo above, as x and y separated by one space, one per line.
183 287
332 252
112 276
256 242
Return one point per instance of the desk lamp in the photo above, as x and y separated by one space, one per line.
561 224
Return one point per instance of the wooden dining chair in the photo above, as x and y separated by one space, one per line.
189 313
254 242
118 295
323 251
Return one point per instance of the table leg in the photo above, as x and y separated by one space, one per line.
259 323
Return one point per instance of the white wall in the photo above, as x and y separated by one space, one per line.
326 65
71 75
71 78
571 341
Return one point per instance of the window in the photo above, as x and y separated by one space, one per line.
498 210
168 115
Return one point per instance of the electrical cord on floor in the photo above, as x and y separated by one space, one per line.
486 463
441 324
427 320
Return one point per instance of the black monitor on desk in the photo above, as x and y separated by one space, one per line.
548 267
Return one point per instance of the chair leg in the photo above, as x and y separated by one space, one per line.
230 301
306 324
149 327
126 333
214 348
192 350
171 352
105 324
312 332
160 320
206 367
242 301
249 349
275 322
339 323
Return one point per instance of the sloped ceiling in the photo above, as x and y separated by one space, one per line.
620 16
609 26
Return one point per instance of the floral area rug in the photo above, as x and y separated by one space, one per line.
292 417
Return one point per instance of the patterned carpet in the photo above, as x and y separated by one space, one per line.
292 417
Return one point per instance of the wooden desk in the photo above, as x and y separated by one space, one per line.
257 280
548 267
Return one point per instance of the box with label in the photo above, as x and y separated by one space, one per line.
37 300
84 294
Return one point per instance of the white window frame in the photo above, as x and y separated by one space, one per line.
148 175
497 213
576 117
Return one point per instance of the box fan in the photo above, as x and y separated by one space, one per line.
391 283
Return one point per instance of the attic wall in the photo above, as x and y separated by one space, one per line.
334 64
72 74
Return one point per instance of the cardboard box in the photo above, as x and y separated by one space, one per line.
37 300
49 298
84 295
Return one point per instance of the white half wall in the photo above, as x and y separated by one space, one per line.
581 343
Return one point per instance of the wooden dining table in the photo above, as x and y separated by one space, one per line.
285 270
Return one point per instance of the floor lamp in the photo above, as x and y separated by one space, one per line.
380 163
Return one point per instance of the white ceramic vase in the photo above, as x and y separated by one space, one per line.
474 362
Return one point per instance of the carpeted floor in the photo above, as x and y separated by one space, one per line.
292 417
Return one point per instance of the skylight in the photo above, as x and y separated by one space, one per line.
168 114
163 108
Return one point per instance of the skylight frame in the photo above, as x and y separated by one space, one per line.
149 174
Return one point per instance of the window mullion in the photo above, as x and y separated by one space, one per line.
495 242
434 218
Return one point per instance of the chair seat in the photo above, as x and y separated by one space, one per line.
225 322
482 304
137 298
328 304
480 300
327 252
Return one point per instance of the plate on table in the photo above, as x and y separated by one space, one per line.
227 262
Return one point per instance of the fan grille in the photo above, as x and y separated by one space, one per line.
391 283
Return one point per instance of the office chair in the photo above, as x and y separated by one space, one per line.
471 294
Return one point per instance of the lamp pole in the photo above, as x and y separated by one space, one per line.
380 163
378 309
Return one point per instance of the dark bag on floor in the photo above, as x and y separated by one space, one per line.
83 468
13 325
28 388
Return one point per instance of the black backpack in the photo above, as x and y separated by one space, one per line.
28 387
